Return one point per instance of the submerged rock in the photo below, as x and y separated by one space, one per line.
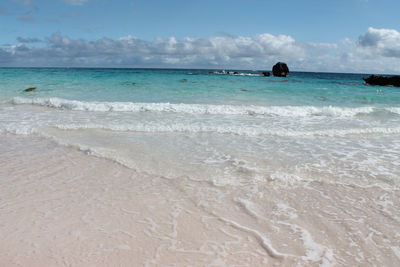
128 83
280 69
383 80
30 89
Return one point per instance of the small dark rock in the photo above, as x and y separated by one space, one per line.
244 90
30 89
280 69
266 73
128 83
236 73
183 81
383 80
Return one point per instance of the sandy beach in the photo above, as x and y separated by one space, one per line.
199 133
62 207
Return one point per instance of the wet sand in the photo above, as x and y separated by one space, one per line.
61 207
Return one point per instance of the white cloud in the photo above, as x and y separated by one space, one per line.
129 50
368 54
384 42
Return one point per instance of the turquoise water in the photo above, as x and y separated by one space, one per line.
196 86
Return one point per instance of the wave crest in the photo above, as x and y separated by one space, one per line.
252 110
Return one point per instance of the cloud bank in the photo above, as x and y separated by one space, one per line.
376 51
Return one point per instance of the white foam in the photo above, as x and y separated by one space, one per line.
395 110
235 73
315 252
233 129
18 130
285 111
264 242
211 128
285 178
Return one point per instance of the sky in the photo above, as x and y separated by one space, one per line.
310 35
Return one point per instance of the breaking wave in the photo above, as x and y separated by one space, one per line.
252 110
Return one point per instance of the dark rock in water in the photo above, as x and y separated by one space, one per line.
128 83
30 89
183 80
236 73
266 73
280 69
244 90
383 80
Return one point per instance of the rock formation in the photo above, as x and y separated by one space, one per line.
280 69
265 73
383 80
30 89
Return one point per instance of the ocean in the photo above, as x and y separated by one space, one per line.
306 168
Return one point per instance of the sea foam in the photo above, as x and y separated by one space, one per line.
285 111
234 129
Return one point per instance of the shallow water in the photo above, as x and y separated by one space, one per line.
307 166
62 207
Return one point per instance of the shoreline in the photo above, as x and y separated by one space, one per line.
60 207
